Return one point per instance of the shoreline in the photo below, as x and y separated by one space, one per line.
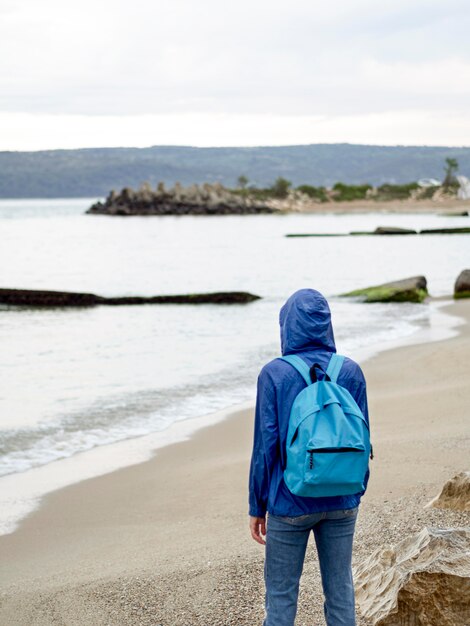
166 540
23 493
407 206
447 206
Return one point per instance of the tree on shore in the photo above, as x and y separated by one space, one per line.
280 189
242 181
450 169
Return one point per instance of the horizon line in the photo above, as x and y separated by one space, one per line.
247 147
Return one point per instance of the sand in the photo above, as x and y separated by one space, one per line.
166 542
444 206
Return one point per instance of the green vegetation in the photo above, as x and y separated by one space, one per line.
342 192
317 193
254 193
281 187
450 170
396 192
242 181
346 193
461 294
382 293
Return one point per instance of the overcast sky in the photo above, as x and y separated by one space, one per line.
251 72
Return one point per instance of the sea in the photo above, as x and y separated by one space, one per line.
85 391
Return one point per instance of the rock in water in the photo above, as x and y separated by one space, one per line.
394 230
445 231
386 230
462 285
453 214
412 289
46 298
454 495
423 581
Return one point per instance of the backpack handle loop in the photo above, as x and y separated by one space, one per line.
309 374
313 373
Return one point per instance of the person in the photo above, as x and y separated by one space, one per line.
307 331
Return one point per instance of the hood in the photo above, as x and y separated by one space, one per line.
305 321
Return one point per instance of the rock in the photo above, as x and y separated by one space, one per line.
445 231
455 494
194 200
223 297
386 230
412 289
423 581
462 285
316 235
43 298
454 214
394 230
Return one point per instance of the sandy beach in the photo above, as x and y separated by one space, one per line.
166 542
444 206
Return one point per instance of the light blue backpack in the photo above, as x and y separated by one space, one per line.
328 442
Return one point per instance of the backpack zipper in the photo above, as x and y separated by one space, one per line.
351 449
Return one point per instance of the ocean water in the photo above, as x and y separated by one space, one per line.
73 381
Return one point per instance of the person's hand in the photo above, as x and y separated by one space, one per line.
258 528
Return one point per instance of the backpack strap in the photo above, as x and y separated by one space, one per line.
334 366
299 365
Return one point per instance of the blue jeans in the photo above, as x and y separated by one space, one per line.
286 543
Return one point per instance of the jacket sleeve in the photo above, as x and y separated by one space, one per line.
265 445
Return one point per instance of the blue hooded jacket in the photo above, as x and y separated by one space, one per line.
306 330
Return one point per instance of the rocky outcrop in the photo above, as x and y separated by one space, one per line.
42 298
194 200
389 230
455 494
316 235
380 230
462 285
412 289
386 230
445 231
394 230
423 581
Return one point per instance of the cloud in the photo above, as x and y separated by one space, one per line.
36 132
258 58
449 75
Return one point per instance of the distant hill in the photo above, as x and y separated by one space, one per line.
95 171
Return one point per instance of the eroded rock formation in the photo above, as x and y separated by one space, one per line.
193 200
423 581
455 494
